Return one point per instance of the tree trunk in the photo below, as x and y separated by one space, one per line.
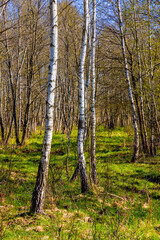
26 115
146 145
81 125
135 125
1 101
88 74
93 115
9 132
38 197
151 81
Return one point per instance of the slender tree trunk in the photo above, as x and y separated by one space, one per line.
93 114
156 116
30 77
146 145
1 101
18 63
88 73
68 110
26 115
135 125
137 105
2 128
38 197
20 103
81 125
9 132
14 102
151 81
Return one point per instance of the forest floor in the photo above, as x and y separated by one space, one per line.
124 205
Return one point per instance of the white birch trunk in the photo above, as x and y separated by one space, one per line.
40 187
135 125
88 73
81 127
93 114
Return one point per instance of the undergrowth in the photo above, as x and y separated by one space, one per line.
124 204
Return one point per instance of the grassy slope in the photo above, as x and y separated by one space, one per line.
125 205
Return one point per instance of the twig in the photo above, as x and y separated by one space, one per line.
115 195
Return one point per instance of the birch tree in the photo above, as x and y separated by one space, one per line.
38 197
93 115
135 124
87 83
81 126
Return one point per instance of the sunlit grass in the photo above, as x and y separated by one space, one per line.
124 205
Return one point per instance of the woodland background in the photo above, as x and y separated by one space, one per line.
125 202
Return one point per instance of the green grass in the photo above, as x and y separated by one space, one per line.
124 205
